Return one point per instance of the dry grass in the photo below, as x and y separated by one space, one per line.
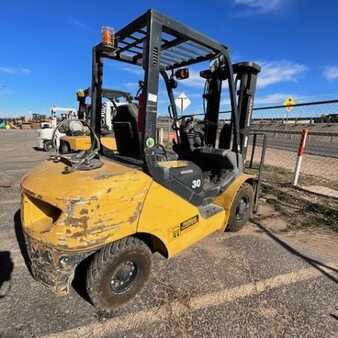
299 209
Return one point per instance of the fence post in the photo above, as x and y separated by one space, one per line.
253 150
161 135
300 155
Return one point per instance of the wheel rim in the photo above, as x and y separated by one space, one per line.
123 277
242 209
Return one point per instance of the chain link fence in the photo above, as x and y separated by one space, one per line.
281 158
319 165
283 129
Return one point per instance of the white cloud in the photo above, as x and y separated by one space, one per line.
278 99
81 25
272 72
261 6
331 73
133 70
15 70
279 71
131 85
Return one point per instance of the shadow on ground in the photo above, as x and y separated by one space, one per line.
21 238
6 269
320 266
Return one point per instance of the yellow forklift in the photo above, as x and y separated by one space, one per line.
117 207
77 139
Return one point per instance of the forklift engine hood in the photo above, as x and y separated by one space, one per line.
81 210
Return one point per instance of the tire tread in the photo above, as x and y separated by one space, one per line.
102 257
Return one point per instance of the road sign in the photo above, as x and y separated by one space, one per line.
182 102
289 103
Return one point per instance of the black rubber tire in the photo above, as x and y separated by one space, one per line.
237 221
103 265
64 148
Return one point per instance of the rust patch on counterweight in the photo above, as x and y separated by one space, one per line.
106 176
77 221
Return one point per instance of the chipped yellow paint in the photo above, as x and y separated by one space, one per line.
83 209
164 211
83 142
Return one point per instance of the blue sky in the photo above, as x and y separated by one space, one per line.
46 47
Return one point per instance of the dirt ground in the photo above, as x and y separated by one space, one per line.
276 277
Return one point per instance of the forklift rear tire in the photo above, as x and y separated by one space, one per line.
117 273
241 209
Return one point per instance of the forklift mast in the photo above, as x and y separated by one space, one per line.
246 80
213 97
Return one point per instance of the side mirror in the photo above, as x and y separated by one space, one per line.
182 74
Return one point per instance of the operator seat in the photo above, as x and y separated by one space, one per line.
225 136
125 130
194 148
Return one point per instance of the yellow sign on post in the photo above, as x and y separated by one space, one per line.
289 103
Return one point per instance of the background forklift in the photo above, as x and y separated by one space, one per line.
76 139
104 205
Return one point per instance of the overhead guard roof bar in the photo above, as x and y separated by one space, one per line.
189 45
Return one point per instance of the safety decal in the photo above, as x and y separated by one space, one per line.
152 97
174 233
150 142
188 223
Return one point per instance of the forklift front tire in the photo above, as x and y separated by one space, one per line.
117 273
241 208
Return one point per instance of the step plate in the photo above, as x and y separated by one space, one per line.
209 210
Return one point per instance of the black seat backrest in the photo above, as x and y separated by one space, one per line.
125 130
225 137
192 137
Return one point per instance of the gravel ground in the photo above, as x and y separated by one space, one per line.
263 281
